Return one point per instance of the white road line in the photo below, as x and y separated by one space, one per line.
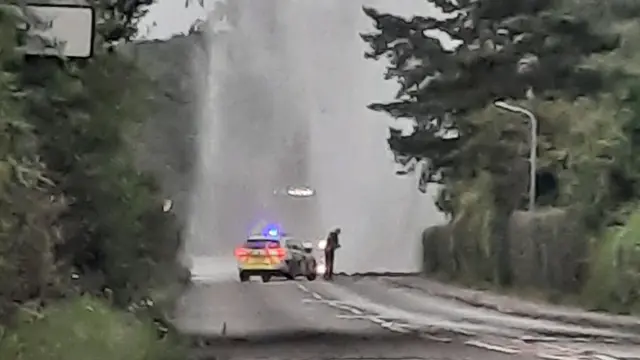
312 301
357 313
393 326
604 357
491 347
352 317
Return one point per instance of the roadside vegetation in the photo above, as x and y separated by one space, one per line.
87 255
574 63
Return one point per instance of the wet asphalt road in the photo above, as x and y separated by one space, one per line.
374 318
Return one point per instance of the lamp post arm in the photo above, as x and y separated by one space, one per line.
532 147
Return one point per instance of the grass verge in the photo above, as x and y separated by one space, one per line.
85 328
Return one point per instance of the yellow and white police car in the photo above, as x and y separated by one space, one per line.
273 254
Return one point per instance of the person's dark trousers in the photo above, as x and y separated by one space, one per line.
328 261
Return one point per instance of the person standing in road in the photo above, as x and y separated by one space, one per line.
333 243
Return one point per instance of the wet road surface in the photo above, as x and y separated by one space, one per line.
378 318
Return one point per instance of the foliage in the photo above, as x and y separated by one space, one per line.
603 12
614 282
71 200
472 245
585 144
84 328
29 202
114 224
581 83
499 149
507 50
120 18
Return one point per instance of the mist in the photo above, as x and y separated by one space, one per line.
285 105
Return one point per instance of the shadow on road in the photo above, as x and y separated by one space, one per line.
299 337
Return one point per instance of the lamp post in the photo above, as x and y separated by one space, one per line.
532 147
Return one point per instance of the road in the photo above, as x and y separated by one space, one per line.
377 317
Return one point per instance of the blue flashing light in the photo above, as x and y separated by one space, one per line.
271 231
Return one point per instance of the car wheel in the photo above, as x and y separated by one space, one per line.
312 276
244 277
289 276
266 278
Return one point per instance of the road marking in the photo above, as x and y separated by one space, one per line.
495 348
352 317
382 321
556 357
398 327
311 301
436 338
358 314
538 339
604 357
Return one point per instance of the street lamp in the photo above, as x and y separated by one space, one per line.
532 147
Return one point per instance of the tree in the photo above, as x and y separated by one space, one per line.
72 198
499 50
507 50
120 18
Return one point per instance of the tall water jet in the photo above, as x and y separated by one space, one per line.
381 214
253 140
288 89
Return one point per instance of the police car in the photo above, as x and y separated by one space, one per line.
273 254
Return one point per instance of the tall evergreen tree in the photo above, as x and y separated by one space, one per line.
505 50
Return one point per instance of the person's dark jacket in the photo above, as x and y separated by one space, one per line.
333 241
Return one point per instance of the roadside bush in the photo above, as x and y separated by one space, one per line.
614 277
435 250
605 10
464 247
72 201
548 250
86 116
583 144
30 204
85 328
473 246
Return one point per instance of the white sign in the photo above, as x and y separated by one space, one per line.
66 30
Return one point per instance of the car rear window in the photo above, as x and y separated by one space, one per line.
261 243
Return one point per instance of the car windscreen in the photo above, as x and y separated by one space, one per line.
261 243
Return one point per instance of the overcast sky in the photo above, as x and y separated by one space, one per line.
172 17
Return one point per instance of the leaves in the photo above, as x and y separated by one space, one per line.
506 50
71 199
82 328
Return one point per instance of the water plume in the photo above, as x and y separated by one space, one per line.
286 104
